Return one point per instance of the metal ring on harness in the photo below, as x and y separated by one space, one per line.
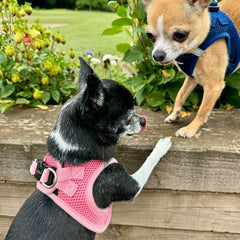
54 179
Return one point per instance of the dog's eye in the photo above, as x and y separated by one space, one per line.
180 36
128 121
151 37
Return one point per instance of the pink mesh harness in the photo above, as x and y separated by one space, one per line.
75 187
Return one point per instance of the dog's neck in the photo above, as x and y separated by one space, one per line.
83 148
232 9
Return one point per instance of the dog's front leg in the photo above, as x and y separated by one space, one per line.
210 96
115 184
144 172
187 87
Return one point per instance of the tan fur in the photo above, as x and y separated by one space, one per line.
211 66
232 9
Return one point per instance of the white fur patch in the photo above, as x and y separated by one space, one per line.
100 99
61 142
165 44
160 28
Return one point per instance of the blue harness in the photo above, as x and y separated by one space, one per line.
221 27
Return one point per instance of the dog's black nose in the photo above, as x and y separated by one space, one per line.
159 55
143 122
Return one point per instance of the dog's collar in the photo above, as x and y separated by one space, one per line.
70 187
221 27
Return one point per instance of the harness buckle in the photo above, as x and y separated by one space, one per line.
213 7
41 169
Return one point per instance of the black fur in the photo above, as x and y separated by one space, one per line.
90 125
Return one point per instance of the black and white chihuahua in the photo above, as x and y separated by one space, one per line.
87 131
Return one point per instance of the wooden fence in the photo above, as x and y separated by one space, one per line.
194 192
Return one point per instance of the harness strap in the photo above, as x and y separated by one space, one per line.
74 185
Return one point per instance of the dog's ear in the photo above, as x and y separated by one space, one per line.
90 89
147 3
199 4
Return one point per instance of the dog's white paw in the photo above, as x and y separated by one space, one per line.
172 117
161 148
163 144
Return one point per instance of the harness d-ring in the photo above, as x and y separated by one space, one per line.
54 179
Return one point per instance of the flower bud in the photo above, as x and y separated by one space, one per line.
22 12
13 9
15 77
45 80
37 94
34 33
9 50
47 66
27 8
5 3
71 54
18 37
1 74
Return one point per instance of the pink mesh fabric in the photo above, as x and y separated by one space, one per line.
75 184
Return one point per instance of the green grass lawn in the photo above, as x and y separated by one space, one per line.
82 29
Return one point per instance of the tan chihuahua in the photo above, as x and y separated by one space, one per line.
179 27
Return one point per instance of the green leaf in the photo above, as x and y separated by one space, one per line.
24 67
134 54
122 22
122 11
171 72
193 98
139 97
7 90
3 57
123 47
155 99
25 94
46 97
172 91
34 103
152 77
5 106
233 81
138 30
112 31
22 101
139 87
134 81
55 95
69 85
8 65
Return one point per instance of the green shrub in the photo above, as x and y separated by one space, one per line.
31 71
92 4
153 85
51 3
